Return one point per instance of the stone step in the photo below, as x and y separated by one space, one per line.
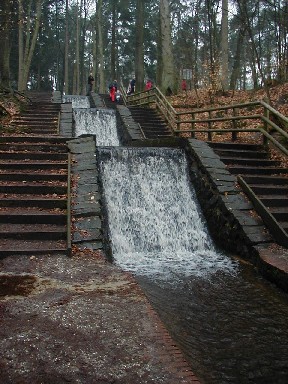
35 155
31 247
32 216
33 232
245 161
29 176
237 146
262 180
34 123
33 188
248 154
280 213
272 180
35 164
47 201
274 201
262 189
22 139
248 170
32 147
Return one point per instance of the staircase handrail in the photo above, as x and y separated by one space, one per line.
123 94
173 118
265 118
156 97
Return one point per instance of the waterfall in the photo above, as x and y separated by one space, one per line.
99 122
77 101
155 224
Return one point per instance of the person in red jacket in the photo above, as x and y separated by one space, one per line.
148 85
184 86
113 89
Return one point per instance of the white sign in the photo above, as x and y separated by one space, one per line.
187 74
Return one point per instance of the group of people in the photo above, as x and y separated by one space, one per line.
114 92
131 87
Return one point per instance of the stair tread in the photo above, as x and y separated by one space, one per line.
31 211
42 228
259 179
271 197
279 209
22 246
34 196
230 144
248 160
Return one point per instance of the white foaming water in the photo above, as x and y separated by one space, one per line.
99 122
154 220
77 101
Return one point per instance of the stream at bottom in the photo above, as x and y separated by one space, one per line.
231 324
231 329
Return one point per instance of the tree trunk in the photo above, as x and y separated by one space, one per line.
113 41
139 45
236 70
5 45
102 87
25 61
168 83
83 75
224 46
66 59
20 45
255 56
77 53
159 68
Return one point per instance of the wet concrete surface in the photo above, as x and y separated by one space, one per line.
81 320
233 329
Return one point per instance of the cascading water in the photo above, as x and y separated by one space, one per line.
154 220
231 324
99 122
77 101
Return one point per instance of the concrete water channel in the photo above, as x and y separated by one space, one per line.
229 321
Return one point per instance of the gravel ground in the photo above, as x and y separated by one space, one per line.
81 320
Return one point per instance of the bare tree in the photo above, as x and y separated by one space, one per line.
66 59
224 46
5 43
139 45
114 39
168 83
28 27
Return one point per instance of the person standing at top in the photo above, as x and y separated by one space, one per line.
118 95
113 89
148 85
90 83
184 86
131 88
115 84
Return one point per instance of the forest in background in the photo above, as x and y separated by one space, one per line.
218 45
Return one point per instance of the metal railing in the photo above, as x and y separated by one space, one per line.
235 113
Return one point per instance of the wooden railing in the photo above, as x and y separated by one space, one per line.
154 97
235 113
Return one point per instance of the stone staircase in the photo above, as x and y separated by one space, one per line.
263 180
33 187
109 103
39 118
152 125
